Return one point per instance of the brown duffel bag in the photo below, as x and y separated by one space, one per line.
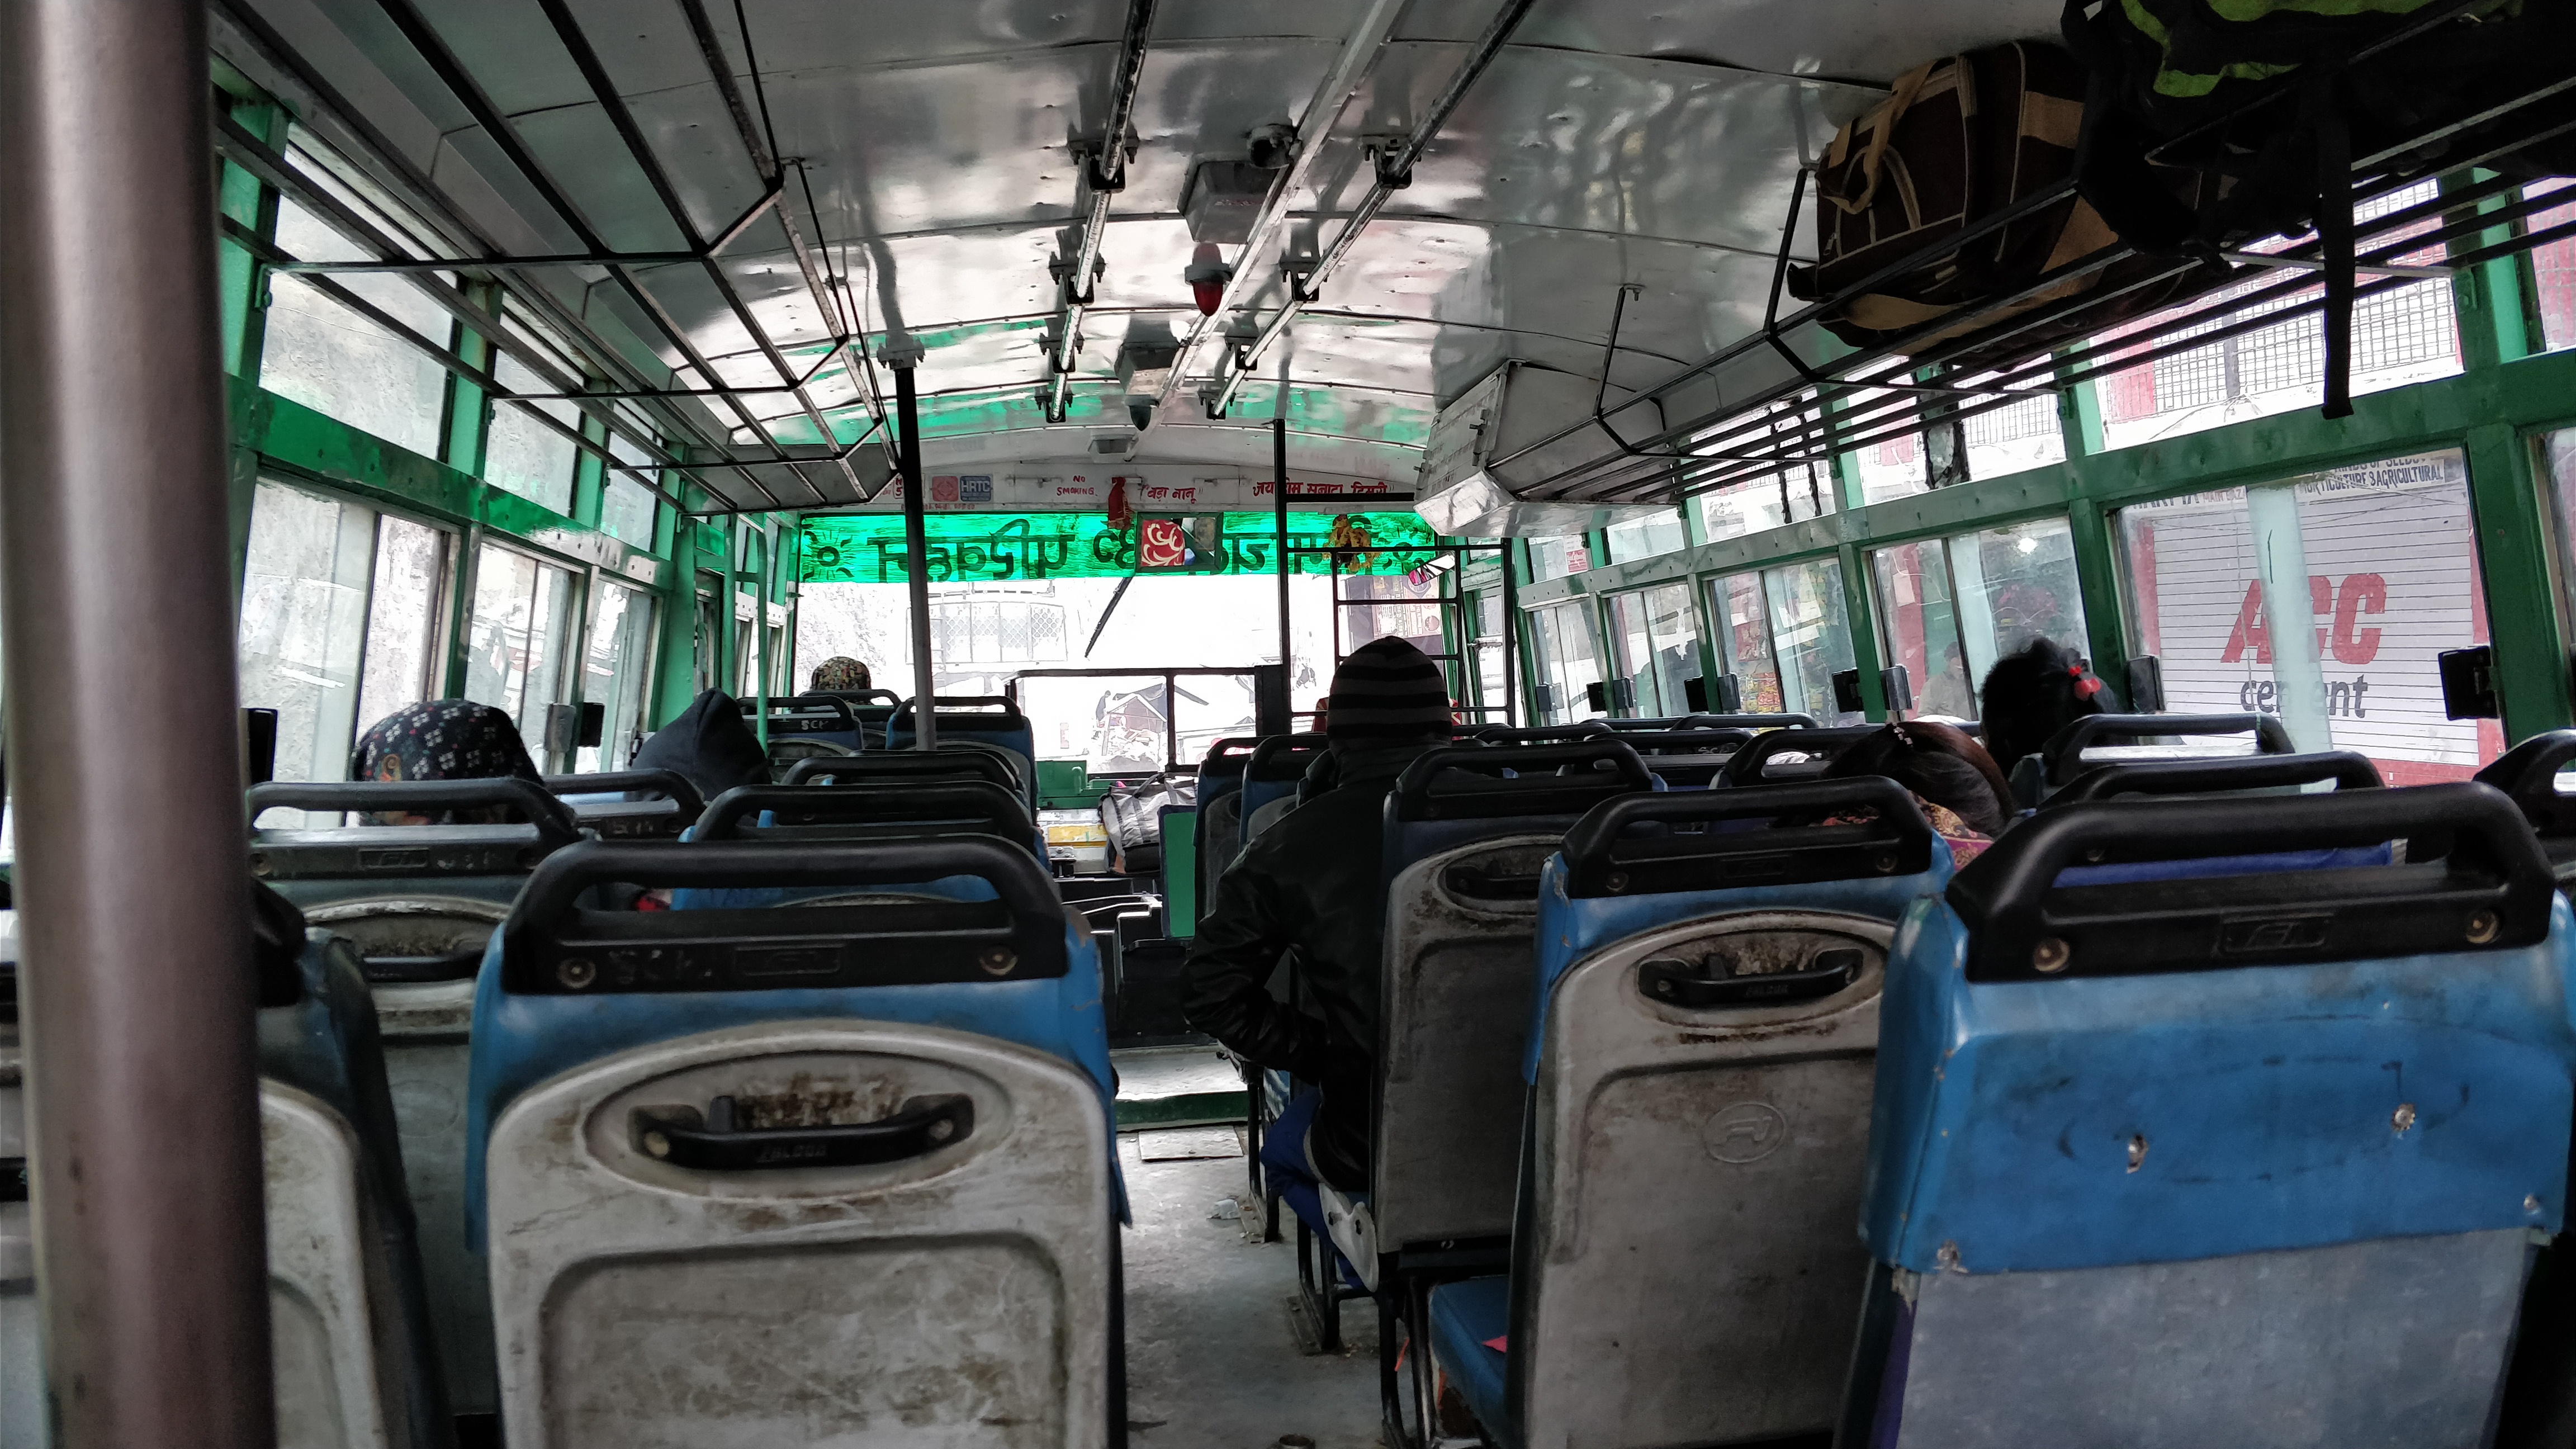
1957 141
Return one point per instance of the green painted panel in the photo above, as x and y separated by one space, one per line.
1181 873
869 548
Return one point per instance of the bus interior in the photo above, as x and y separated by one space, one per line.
1008 417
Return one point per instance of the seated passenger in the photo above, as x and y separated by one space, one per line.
1310 883
2030 696
1963 795
841 674
709 745
442 739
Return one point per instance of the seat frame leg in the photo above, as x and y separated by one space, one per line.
1318 1287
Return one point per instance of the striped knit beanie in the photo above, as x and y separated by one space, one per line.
1387 691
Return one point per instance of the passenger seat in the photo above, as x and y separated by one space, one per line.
838 1172
1703 1035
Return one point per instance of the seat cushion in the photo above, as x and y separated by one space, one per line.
1464 1316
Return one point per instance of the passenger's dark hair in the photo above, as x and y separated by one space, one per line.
1938 762
2031 695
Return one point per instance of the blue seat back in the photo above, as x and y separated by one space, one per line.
2528 775
1616 876
2178 1069
1221 773
1277 765
985 720
830 814
2036 777
821 718
562 985
1754 764
1461 794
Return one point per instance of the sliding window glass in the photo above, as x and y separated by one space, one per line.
1659 532
2325 600
1655 633
1563 667
1743 647
516 639
339 621
627 508
1919 631
319 351
1810 636
524 455
619 666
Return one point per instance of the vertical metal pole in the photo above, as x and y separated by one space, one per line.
1511 636
1279 523
133 888
916 543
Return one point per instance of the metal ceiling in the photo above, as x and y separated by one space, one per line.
784 183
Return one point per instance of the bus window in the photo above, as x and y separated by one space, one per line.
1919 629
303 623
403 610
2402 335
1563 667
2321 599
318 352
1744 643
2015 584
1554 558
1486 658
516 639
1654 634
615 674
1789 496
1657 533
1810 637
2014 438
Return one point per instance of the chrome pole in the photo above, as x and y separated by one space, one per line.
132 882
916 543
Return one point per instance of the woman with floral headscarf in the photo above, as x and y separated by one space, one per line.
442 739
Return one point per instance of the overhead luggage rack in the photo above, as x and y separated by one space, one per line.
1779 399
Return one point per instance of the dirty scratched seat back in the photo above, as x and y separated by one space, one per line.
1277 766
989 721
839 1173
419 903
1463 848
349 1316
2147 1153
1705 1026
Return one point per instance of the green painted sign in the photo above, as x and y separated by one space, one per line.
977 547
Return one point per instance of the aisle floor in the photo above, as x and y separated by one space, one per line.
1213 1355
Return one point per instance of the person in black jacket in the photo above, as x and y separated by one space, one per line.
709 744
1310 884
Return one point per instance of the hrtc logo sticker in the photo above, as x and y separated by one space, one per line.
1745 1132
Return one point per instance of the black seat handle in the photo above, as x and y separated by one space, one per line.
461 964
556 827
1693 741
2528 775
1417 798
1230 754
2064 751
1582 729
2003 892
841 707
891 766
1901 843
670 785
553 893
988 807
2347 771
712 1142
1744 767
959 704
1273 746
1746 722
